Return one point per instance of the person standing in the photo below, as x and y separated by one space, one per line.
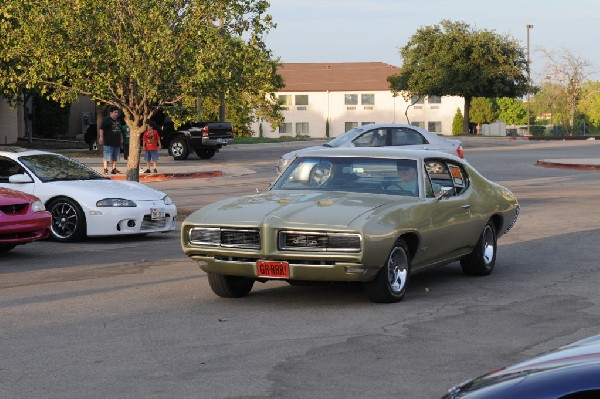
151 145
126 133
111 138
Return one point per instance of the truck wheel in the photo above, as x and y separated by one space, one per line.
206 154
179 149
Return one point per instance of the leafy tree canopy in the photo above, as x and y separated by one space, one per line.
452 59
483 110
139 55
590 104
511 111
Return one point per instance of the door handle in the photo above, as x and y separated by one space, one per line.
467 206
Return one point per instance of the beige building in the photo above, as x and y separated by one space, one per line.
349 95
14 124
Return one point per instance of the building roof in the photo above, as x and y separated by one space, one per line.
342 76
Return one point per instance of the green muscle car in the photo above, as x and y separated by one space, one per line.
370 215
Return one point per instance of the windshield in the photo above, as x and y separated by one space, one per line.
363 175
345 137
53 167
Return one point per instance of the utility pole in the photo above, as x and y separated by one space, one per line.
528 81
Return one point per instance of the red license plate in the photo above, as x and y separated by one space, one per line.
273 269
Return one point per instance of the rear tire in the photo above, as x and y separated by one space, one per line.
230 286
482 260
206 154
179 149
392 279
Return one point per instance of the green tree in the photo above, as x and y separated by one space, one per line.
568 71
483 110
452 59
139 55
590 103
511 111
551 103
457 122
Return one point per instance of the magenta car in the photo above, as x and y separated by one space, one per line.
23 219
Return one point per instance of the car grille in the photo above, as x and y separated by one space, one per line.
230 238
14 209
149 224
317 241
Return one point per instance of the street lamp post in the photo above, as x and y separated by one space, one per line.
528 80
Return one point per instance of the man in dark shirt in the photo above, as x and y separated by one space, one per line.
110 137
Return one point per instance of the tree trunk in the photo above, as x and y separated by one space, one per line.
133 161
467 119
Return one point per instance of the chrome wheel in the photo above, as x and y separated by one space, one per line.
392 279
482 260
397 267
68 222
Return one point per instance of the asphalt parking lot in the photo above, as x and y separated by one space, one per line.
133 318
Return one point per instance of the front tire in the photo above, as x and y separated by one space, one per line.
179 149
392 279
6 248
68 220
229 286
482 260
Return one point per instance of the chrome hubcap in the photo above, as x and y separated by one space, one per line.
488 245
397 270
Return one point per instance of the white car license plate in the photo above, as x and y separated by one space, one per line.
157 213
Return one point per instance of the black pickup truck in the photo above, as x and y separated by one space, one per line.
204 138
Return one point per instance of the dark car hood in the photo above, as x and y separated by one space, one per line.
306 208
578 355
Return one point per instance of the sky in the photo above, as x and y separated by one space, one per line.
375 30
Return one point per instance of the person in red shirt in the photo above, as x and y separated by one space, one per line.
151 141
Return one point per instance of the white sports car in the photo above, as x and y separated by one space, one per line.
383 135
82 201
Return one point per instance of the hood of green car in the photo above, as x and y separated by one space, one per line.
300 209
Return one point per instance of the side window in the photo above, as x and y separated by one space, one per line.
8 167
404 136
447 174
372 138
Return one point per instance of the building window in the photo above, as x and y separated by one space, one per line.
434 100
285 100
285 128
366 123
301 99
351 99
302 128
367 99
350 125
434 127
418 124
417 100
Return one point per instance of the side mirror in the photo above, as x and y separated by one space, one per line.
20 178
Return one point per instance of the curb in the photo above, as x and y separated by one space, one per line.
170 176
573 166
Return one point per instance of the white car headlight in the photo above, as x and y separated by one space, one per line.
116 202
37 206
168 200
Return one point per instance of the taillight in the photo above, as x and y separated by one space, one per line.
459 152
205 132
